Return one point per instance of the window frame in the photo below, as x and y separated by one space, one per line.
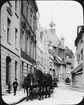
8 30
16 63
16 38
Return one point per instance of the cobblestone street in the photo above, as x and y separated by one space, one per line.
61 95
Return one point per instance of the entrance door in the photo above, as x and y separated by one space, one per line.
8 60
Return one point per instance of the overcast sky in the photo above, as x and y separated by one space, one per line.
67 15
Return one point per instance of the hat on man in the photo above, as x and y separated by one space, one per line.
15 78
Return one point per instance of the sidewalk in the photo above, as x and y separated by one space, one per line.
62 84
11 99
76 89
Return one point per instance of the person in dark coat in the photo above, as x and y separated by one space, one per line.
15 85
9 88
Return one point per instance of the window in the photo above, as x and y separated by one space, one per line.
22 70
23 40
45 42
31 17
34 51
34 24
81 54
78 58
15 69
81 41
8 30
16 38
16 5
27 45
27 68
27 12
22 5
31 49
26 38
50 64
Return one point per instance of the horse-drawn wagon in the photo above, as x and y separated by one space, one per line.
38 84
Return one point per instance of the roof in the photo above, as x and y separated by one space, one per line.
54 39
58 60
51 52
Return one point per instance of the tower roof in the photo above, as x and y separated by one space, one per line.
52 24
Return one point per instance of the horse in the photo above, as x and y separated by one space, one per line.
47 84
28 82
44 83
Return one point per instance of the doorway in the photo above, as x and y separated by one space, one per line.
8 61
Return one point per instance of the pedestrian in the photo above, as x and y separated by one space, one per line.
9 88
15 85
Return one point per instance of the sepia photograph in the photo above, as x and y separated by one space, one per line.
42 52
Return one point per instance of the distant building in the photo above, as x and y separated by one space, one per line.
51 69
69 59
51 53
39 46
42 49
57 51
78 72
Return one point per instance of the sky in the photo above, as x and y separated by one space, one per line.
67 15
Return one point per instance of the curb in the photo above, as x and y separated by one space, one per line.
14 103
76 89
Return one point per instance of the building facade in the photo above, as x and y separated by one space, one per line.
42 50
69 59
78 72
28 36
10 47
18 41
39 46
58 51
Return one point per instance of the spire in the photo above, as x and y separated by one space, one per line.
52 24
52 16
62 40
62 35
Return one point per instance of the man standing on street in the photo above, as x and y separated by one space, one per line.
15 84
